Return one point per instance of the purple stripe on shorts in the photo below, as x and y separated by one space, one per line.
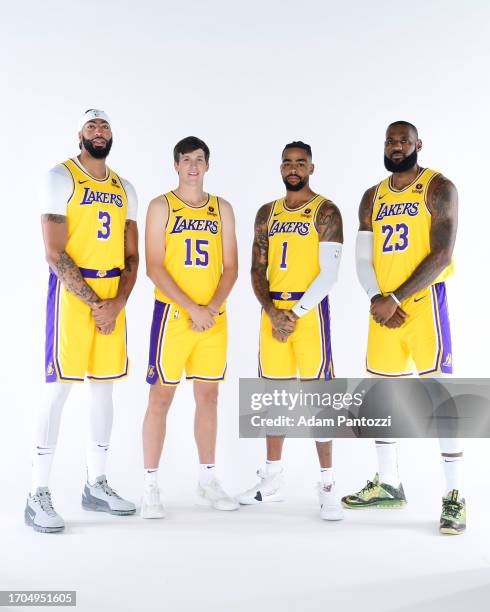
49 369
447 355
325 308
158 312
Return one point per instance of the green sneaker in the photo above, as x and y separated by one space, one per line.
453 516
376 495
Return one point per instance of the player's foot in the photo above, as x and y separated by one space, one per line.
269 489
453 516
151 505
213 495
40 514
376 494
330 507
101 498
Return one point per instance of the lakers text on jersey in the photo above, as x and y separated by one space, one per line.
401 223
293 264
193 258
96 217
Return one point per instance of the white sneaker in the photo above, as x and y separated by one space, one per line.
151 505
269 489
40 514
330 506
213 495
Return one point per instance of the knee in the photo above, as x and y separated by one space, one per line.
207 398
159 404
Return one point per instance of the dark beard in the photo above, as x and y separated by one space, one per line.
406 164
299 185
97 152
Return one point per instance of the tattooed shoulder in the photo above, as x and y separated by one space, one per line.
328 222
263 214
366 209
441 195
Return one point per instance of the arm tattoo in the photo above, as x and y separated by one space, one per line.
260 257
442 199
69 274
328 223
49 218
366 210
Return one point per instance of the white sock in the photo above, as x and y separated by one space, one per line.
151 477
41 467
273 467
326 476
388 463
99 428
207 472
453 471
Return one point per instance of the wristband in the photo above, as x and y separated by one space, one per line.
396 299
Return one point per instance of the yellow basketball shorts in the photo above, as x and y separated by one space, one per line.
74 348
307 351
175 347
422 343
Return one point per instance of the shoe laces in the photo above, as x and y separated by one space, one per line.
215 485
102 484
370 485
46 503
452 508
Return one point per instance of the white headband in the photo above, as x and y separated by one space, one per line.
91 114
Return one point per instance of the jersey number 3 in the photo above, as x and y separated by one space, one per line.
400 242
105 229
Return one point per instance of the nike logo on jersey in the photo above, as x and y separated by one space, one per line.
420 298
277 214
82 182
177 209
303 308
382 196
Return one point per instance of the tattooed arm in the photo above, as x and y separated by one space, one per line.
282 320
328 223
105 312
55 238
442 200
366 210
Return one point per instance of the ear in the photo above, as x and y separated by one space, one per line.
176 166
312 169
418 146
207 166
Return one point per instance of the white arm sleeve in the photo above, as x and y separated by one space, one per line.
364 264
329 255
56 188
132 200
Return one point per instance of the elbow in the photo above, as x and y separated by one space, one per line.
444 259
52 257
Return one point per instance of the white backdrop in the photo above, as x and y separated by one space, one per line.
246 78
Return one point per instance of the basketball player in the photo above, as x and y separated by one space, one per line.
295 261
191 257
404 254
91 240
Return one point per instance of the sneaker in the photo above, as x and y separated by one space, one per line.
453 516
151 505
101 498
330 507
376 495
213 495
40 514
269 489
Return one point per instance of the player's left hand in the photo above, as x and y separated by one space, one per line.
383 309
106 311
105 330
279 335
397 320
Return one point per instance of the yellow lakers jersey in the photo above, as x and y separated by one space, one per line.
193 248
293 246
96 218
401 231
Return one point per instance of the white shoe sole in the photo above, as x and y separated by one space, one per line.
152 514
334 515
202 501
252 501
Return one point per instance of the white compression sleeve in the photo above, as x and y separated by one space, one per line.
364 264
100 427
329 256
47 429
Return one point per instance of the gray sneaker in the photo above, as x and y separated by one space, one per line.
40 514
101 498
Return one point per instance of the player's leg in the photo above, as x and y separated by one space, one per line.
154 431
276 362
330 507
39 512
388 356
209 491
171 341
97 494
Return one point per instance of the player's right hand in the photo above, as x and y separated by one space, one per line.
397 320
282 320
279 336
201 317
106 329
